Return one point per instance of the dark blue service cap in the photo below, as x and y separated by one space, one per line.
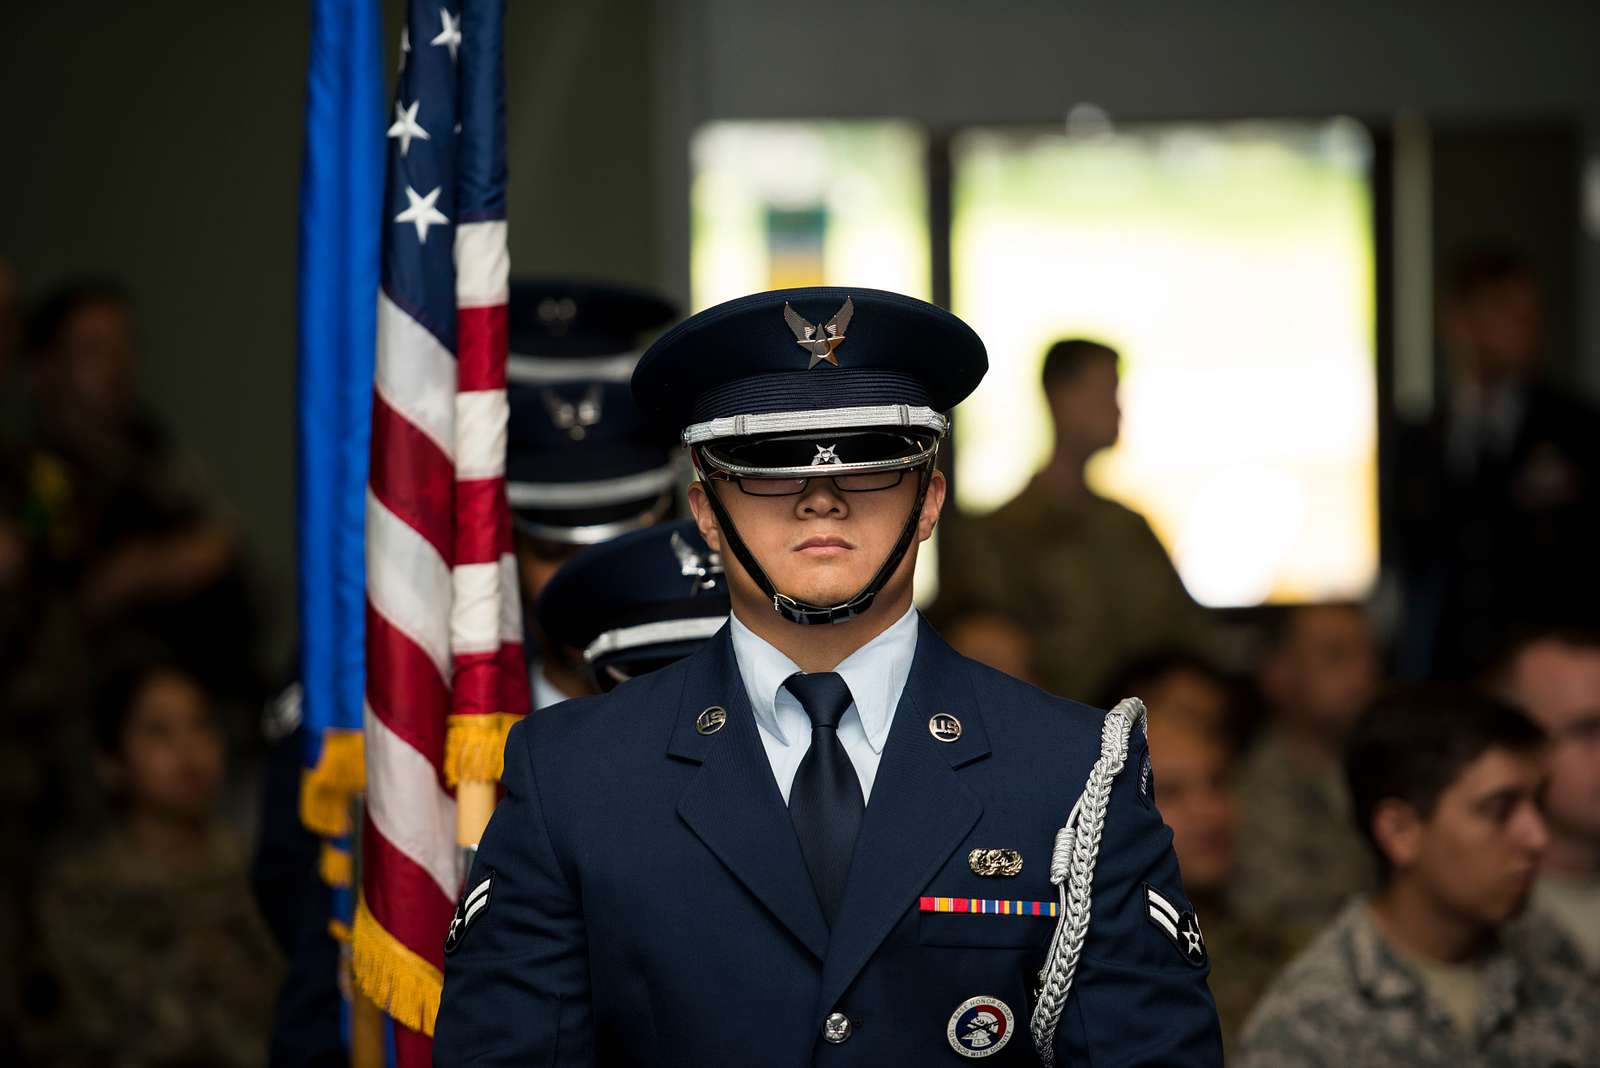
582 463
638 602
796 360
553 319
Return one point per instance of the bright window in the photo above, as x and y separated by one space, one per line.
778 204
1232 267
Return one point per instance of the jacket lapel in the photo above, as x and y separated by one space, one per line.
733 804
919 812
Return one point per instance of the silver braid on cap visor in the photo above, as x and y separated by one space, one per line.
930 448
803 612
593 533
873 417
695 628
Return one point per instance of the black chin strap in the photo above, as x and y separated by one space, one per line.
803 612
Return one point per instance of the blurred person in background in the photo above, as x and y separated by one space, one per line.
1300 856
1554 676
151 931
1084 575
1498 493
995 640
1430 970
1193 767
44 733
582 465
1177 685
122 519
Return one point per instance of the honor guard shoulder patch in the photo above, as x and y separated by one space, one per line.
473 904
1182 928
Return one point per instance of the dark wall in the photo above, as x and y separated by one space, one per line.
1454 64
161 145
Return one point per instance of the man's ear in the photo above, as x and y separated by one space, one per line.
704 519
1397 826
932 505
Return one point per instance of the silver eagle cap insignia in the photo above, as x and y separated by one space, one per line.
820 341
575 417
703 568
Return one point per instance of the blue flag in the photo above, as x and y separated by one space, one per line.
341 237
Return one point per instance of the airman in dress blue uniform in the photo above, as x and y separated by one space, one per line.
824 838
583 465
637 603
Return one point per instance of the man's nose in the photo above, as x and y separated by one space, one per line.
1533 832
821 498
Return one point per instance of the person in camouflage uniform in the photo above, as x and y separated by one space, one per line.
1553 675
1084 576
1300 854
151 934
1431 970
1192 769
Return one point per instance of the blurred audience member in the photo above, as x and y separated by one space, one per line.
1554 676
1084 575
120 518
1177 686
1193 780
994 639
1300 856
151 932
1498 494
44 737
1427 972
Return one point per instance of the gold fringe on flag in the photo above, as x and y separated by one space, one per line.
339 931
398 981
335 865
475 747
327 789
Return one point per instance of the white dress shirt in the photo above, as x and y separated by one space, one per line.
876 674
545 692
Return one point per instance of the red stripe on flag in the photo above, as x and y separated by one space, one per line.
403 897
412 477
514 673
481 344
404 688
476 686
479 539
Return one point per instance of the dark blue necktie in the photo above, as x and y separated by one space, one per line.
825 800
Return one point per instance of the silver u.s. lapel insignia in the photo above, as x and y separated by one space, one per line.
471 907
995 863
945 727
980 1027
711 720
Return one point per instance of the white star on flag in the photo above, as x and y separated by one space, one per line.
405 125
405 45
450 36
421 214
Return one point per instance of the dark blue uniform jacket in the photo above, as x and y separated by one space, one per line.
649 904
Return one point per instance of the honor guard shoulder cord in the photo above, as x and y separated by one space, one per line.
1072 862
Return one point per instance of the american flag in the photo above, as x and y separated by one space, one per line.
445 675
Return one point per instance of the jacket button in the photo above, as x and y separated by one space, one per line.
836 1028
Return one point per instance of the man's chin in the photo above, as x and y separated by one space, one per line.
823 593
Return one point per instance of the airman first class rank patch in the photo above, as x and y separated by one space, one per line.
1181 928
470 908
